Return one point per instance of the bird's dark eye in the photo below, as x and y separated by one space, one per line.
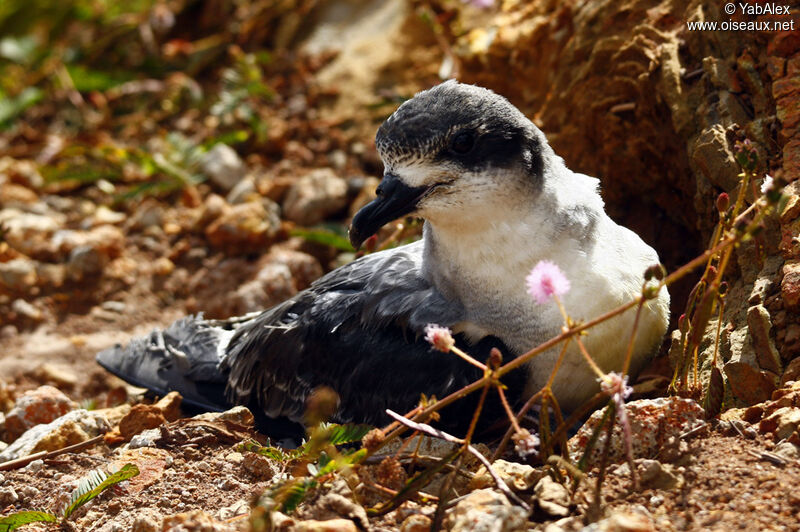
463 142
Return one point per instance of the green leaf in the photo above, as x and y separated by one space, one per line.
325 237
80 174
341 462
230 138
86 79
341 434
16 520
95 483
11 108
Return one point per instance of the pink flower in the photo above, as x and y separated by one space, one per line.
616 385
440 338
545 281
526 443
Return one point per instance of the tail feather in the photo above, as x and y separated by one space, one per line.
184 358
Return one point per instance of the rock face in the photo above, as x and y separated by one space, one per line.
661 109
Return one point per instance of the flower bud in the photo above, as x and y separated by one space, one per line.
723 202
656 271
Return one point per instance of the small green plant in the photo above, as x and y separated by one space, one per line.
89 487
318 457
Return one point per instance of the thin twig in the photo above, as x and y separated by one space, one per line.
629 354
436 433
46 455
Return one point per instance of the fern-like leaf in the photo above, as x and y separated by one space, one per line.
94 484
341 434
288 496
16 520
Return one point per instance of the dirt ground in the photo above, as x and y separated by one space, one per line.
90 270
196 477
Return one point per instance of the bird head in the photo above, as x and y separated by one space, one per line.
450 151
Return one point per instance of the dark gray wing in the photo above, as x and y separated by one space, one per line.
358 330
184 357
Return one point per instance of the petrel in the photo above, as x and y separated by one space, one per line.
496 200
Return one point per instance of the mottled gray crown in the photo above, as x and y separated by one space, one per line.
424 126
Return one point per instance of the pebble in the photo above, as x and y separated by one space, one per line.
8 496
240 507
314 197
30 233
416 523
486 511
140 418
552 498
787 450
35 466
35 407
8 331
782 422
331 525
148 521
234 457
107 241
518 477
245 228
103 215
223 166
148 214
242 192
238 414
18 274
114 306
259 466
84 262
653 474
55 374
623 522
145 438
338 159
27 310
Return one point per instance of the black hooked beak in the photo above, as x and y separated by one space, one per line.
395 199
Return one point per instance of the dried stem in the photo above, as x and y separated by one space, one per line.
436 433
626 366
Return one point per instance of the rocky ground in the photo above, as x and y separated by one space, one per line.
225 186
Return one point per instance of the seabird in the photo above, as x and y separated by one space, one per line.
496 200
